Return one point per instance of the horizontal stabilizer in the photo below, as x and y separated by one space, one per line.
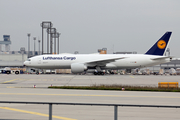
163 57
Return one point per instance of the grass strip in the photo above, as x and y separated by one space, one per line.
118 88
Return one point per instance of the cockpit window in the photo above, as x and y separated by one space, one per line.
28 59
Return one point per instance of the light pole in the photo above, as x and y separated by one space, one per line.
34 44
56 35
51 31
22 52
28 43
39 46
45 24
55 45
58 42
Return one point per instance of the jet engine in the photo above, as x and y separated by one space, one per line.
78 68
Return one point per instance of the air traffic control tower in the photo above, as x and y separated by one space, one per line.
6 42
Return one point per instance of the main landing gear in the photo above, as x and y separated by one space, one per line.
98 73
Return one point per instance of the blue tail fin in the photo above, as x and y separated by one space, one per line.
160 46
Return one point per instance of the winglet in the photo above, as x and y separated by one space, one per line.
160 46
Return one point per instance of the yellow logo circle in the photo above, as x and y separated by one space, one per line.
161 44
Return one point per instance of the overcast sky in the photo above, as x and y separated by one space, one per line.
88 25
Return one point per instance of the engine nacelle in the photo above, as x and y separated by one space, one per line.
78 68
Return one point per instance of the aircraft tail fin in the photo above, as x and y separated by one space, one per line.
160 46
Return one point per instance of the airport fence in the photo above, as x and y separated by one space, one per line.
89 104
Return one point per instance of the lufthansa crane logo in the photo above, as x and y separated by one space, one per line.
161 44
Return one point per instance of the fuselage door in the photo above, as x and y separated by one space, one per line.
39 60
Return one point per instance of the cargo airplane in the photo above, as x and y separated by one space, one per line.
79 63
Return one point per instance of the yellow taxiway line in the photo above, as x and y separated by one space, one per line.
9 81
131 76
36 113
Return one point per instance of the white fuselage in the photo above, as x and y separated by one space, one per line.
64 61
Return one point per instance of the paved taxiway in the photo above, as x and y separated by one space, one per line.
83 80
20 88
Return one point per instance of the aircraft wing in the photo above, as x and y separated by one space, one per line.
162 57
102 62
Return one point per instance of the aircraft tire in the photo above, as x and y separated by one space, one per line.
8 72
99 73
102 73
17 72
112 73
